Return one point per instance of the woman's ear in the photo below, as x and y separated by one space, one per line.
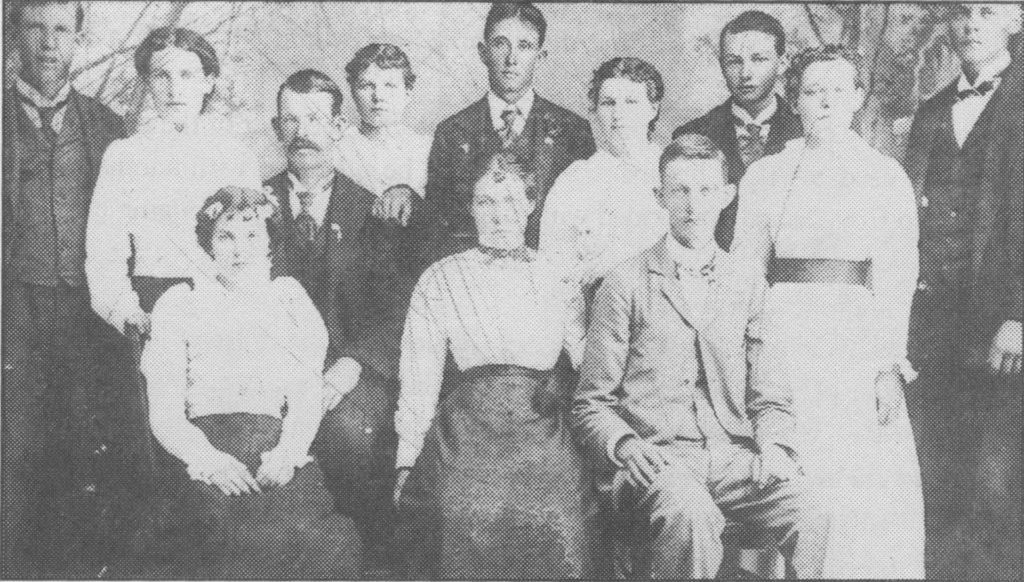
726 195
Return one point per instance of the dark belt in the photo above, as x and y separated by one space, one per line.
504 370
786 270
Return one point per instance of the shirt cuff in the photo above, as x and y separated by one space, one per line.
613 443
407 454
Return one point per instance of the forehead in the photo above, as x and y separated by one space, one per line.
488 188
1003 10
52 13
621 86
747 42
375 72
835 71
304 103
515 29
239 221
173 58
684 172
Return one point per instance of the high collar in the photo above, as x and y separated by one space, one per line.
38 100
990 72
496 105
765 117
297 185
687 258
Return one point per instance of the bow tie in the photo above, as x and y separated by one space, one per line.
978 91
705 271
517 254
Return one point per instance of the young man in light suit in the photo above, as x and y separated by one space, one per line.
511 117
754 122
682 437
965 157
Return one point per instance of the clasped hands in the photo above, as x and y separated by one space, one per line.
395 204
644 461
232 477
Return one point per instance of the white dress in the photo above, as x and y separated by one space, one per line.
399 156
601 211
845 202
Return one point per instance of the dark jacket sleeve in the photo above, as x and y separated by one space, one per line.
439 197
582 146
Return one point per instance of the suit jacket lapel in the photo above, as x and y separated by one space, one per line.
784 127
725 136
665 269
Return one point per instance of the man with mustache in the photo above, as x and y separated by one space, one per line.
511 117
59 400
754 121
964 156
344 257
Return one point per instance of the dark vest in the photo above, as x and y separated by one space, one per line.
55 191
306 261
948 206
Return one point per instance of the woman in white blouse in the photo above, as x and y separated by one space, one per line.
497 465
228 354
148 184
382 154
834 224
603 210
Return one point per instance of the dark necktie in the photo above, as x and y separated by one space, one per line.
508 132
752 144
517 254
978 91
304 222
46 115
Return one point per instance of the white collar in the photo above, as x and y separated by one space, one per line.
497 105
761 119
298 186
32 94
689 259
988 72
321 197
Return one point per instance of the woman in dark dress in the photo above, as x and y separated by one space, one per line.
497 471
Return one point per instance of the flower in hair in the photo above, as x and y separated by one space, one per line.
213 211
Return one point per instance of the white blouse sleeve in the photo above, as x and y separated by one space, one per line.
894 263
421 368
558 235
752 245
165 365
108 239
308 350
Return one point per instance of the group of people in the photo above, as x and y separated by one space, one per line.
520 347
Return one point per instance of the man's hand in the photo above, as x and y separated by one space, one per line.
643 460
276 469
232 477
139 320
774 465
395 204
339 380
1005 353
888 395
400 478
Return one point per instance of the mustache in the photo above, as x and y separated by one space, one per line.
300 143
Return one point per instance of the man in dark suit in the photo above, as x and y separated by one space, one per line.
60 441
964 156
345 259
545 137
754 121
682 437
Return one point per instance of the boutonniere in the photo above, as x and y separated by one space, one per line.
336 229
465 147
553 129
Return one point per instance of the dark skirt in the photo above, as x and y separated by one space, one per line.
289 532
503 483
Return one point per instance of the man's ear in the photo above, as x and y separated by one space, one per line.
275 122
481 49
658 190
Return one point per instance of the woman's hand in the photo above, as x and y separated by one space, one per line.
888 395
773 465
276 468
400 478
1004 355
395 204
138 320
339 380
231 476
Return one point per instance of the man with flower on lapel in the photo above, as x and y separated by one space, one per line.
545 137
343 256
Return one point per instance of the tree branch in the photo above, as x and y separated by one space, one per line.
814 23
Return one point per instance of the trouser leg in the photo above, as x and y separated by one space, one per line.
795 516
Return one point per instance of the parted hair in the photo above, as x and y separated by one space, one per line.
17 6
757 21
692 146
385 56
634 69
183 38
236 202
312 81
500 166
524 11
825 53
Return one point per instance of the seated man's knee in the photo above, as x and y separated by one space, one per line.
679 506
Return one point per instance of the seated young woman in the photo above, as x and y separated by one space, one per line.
234 377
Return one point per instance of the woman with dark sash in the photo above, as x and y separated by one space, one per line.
833 223
497 469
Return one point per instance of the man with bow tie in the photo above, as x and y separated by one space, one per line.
682 437
511 117
58 401
964 157
345 259
754 121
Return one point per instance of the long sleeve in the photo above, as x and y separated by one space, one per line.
308 352
108 240
165 364
421 369
752 244
894 263
558 237
598 426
